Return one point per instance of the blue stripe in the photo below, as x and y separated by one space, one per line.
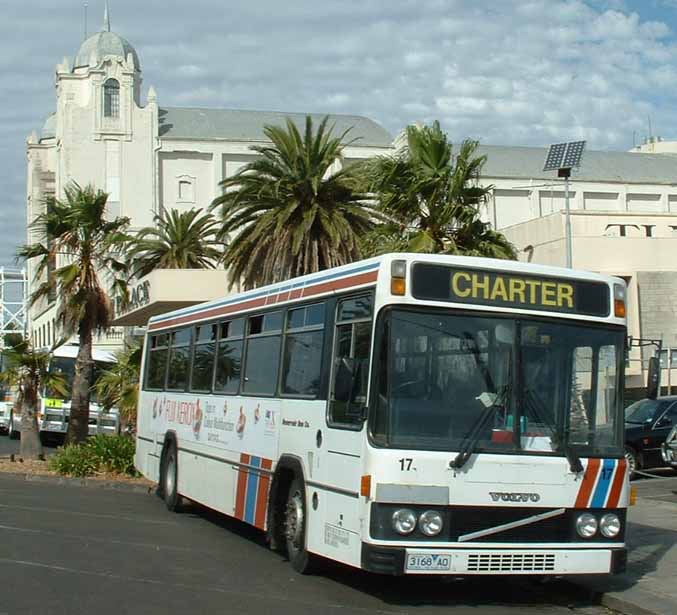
266 292
252 490
604 483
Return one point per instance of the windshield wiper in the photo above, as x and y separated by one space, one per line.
575 464
469 442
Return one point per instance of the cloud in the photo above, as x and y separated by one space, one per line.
520 72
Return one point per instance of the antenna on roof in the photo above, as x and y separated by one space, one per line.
85 21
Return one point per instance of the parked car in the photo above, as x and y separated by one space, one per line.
647 424
669 449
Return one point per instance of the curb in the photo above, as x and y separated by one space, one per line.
70 481
633 601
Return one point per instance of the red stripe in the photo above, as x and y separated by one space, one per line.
243 476
308 291
262 496
588 484
363 278
617 485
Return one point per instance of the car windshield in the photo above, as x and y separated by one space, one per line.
642 411
548 384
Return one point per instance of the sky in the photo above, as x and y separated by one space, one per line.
510 72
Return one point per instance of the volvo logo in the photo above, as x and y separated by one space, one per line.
514 497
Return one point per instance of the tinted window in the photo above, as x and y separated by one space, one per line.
352 341
228 366
203 358
157 362
263 360
302 363
179 360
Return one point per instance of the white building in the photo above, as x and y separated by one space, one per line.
146 156
624 223
149 157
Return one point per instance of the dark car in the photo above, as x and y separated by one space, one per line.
647 424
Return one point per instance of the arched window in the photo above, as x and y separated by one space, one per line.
111 98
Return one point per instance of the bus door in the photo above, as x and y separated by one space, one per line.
342 445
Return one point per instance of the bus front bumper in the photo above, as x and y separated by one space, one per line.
503 561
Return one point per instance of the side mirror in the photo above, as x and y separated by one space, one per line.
664 421
345 378
653 378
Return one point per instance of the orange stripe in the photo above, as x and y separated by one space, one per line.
262 496
363 278
243 475
617 485
588 483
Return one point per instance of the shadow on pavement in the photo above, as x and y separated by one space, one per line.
410 591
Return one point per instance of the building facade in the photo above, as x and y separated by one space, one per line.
151 158
624 223
146 156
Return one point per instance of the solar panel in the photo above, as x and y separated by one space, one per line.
573 156
564 156
555 156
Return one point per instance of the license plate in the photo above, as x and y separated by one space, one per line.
428 561
53 403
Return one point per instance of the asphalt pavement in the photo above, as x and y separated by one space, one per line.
76 550
8 447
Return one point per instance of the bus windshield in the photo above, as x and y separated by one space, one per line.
66 367
511 384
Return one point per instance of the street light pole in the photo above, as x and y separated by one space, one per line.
567 210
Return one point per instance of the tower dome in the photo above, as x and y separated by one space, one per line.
105 43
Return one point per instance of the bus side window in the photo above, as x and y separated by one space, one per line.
352 340
179 359
157 361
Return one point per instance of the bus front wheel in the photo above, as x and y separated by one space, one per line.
295 523
170 475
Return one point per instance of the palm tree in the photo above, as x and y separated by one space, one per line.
289 212
432 198
184 240
26 370
118 386
90 249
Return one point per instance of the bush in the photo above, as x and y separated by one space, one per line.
99 453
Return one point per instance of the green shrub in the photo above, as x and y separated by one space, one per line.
74 460
99 453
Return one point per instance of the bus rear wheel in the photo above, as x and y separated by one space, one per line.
169 477
295 523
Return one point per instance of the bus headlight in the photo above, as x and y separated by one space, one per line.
586 525
430 523
610 525
404 521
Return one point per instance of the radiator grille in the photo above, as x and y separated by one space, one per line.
511 562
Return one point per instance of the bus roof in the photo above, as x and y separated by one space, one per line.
356 275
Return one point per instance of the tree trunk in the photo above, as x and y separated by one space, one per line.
78 425
31 447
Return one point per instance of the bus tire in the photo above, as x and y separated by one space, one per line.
295 529
11 431
169 474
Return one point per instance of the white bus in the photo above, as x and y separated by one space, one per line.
54 412
407 414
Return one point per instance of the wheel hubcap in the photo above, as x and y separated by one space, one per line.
170 477
293 529
632 466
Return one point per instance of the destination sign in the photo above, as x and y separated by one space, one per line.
513 290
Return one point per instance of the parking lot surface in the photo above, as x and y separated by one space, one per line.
72 550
